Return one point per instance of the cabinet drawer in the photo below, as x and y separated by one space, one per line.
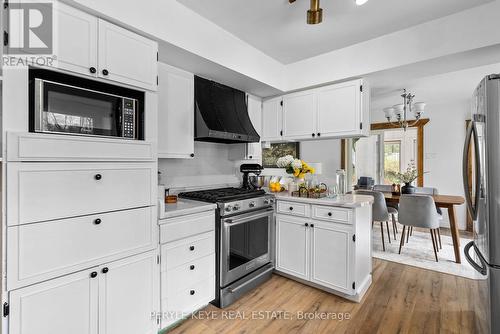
187 226
187 274
186 250
45 250
332 214
187 300
293 208
41 192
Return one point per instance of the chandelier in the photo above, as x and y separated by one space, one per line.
402 112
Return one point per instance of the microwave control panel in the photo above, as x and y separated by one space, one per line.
129 107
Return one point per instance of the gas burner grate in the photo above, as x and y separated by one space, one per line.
222 194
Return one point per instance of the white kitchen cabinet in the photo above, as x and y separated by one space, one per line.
116 298
299 115
76 40
128 294
328 247
331 250
250 151
272 120
340 109
292 246
175 113
127 57
64 305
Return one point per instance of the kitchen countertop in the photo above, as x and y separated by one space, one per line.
184 207
345 201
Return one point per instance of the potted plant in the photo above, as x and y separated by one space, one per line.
296 167
407 177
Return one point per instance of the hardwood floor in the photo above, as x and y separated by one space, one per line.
402 299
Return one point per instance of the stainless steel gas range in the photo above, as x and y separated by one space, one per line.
245 239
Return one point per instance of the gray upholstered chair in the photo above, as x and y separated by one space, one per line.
419 211
379 211
431 192
391 207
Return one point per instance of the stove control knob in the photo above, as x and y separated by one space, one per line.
252 204
236 207
267 201
229 208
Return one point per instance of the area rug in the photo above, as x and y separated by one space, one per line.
418 252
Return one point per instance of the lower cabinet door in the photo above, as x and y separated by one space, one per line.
129 295
292 254
65 305
332 257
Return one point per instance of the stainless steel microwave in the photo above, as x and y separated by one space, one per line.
63 104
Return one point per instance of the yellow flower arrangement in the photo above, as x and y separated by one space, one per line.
299 168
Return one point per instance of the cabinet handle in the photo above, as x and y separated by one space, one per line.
291 208
192 155
105 270
97 221
98 177
191 267
319 134
105 72
93 274
314 135
306 224
191 248
329 214
191 292
92 70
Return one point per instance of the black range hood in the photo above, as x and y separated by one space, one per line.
221 114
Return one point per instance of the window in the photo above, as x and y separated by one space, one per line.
392 159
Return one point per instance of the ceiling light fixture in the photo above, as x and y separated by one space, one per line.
403 111
315 14
360 2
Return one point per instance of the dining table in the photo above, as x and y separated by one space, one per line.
447 202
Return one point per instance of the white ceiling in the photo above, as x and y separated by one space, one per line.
279 29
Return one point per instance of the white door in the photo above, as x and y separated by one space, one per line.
272 121
64 305
331 256
127 57
76 44
339 109
128 294
292 255
254 150
299 116
175 113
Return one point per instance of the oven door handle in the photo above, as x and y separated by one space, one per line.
234 290
238 221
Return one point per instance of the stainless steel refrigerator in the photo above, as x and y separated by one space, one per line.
482 190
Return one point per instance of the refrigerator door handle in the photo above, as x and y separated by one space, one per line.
471 130
480 268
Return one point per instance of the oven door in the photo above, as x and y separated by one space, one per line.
61 108
245 245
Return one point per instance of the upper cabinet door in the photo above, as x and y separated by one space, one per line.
64 305
340 109
76 44
299 116
254 150
272 121
127 57
128 293
175 113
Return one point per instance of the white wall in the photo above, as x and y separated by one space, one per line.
326 152
448 99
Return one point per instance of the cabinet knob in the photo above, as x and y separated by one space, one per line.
97 221
93 274
98 177
192 155
191 248
191 267
250 157
319 134
291 208
314 135
306 224
105 270
329 214
105 72
191 292
92 70
312 225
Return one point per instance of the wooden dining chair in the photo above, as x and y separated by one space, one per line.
380 213
419 211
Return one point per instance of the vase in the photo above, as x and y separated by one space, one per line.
300 182
408 189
